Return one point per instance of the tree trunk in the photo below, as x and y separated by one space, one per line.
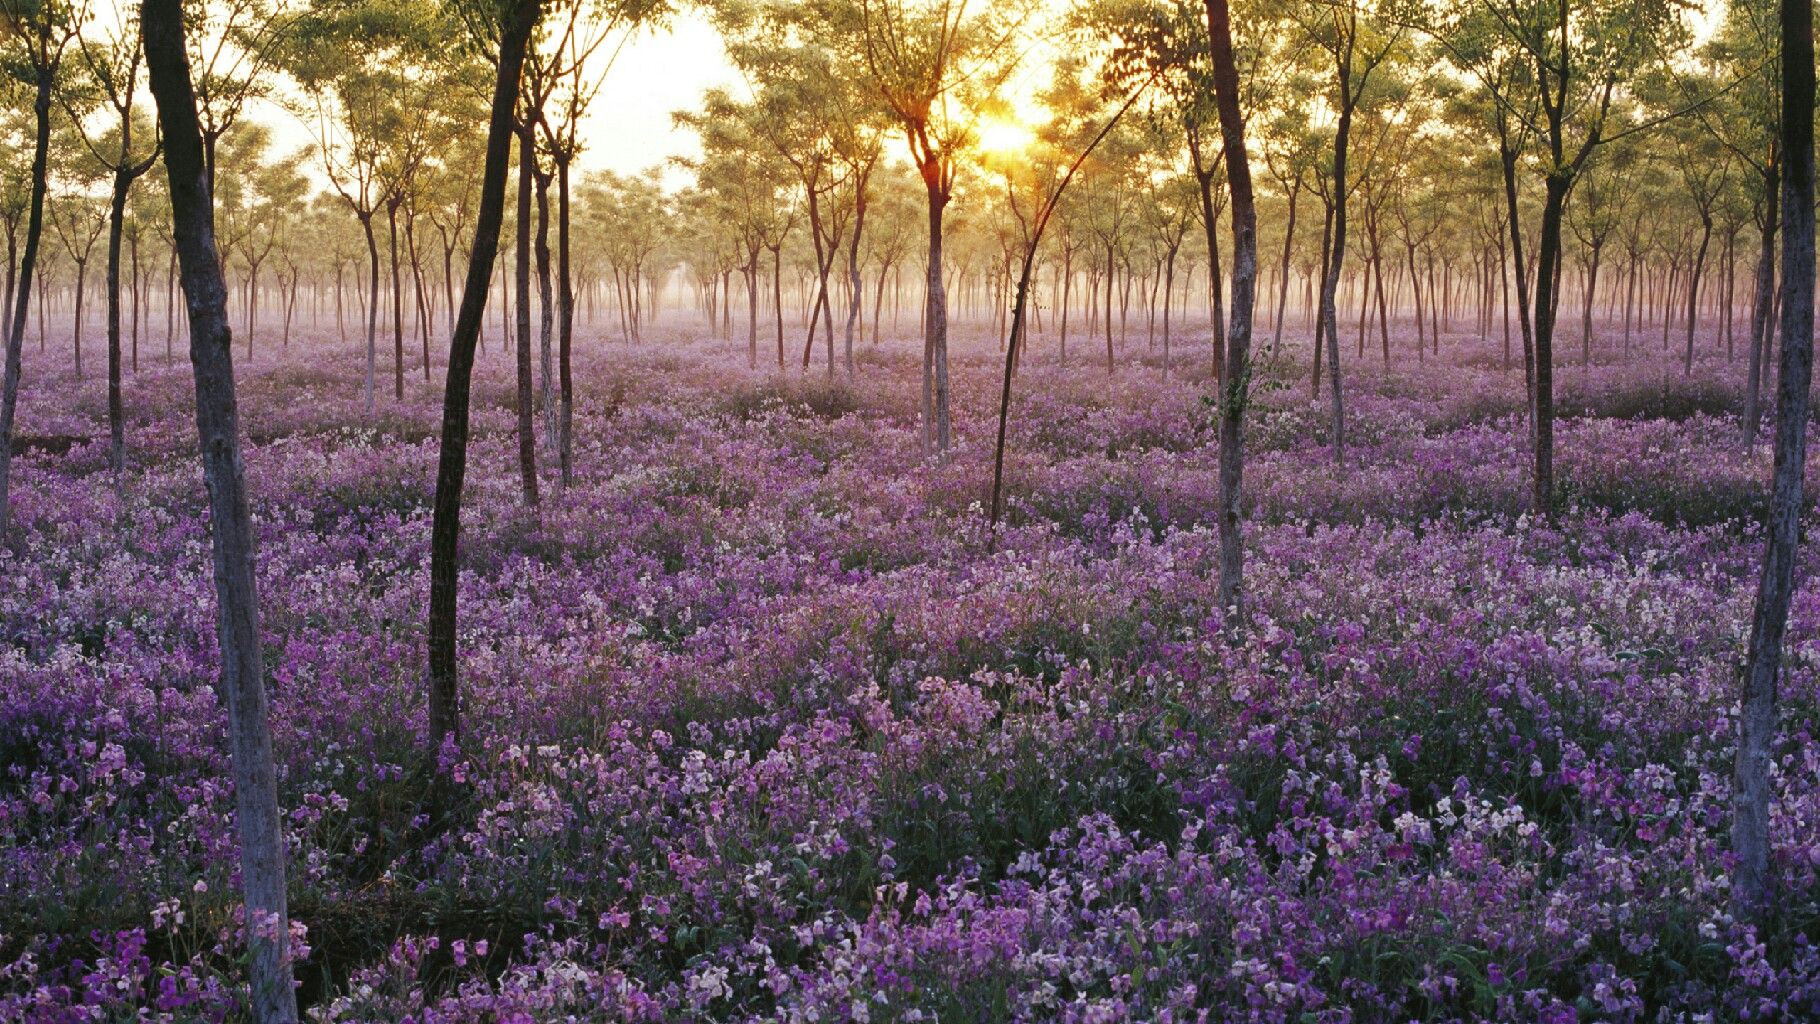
372 310
391 217
452 462
546 316
1276 340
527 437
1693 291
565 309
1238 340
936 428
1548 258
15 342
262 870
116 227
1336 258
1752 882
1760 303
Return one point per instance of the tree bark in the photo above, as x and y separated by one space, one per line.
1752 882
262 868
1237 380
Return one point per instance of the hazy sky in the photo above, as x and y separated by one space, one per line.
657 73
628 128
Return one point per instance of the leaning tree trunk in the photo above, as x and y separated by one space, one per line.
452 462
15 339
1751 879
262 870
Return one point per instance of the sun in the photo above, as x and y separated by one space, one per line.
999 136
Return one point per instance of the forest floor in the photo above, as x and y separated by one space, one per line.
761 723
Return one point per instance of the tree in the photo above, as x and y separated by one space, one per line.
934 64
36 35
113 62
1237 381
1751 881
1035 182
578 71
515 23
1358 41
78 220
1556 66
262 869
372 75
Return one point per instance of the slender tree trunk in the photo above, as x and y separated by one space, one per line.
1507 159
1237 380
1693 291
1547 280
1276 341
391 217
565 306
452 462
936 429
546 313
372 310
1592 283
1336 258
116 227
853 281
15 341
256 817
527 436
1760 304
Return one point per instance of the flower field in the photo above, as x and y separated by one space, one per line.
762 723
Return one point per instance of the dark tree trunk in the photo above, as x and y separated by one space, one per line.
452 462
1336 257
1761 301
1548 258
1693 290
262 869
546 315
565 311
116 226
1752 882
1244 282
1276 340
521 257
1507 159
28 262
391 217
372 310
